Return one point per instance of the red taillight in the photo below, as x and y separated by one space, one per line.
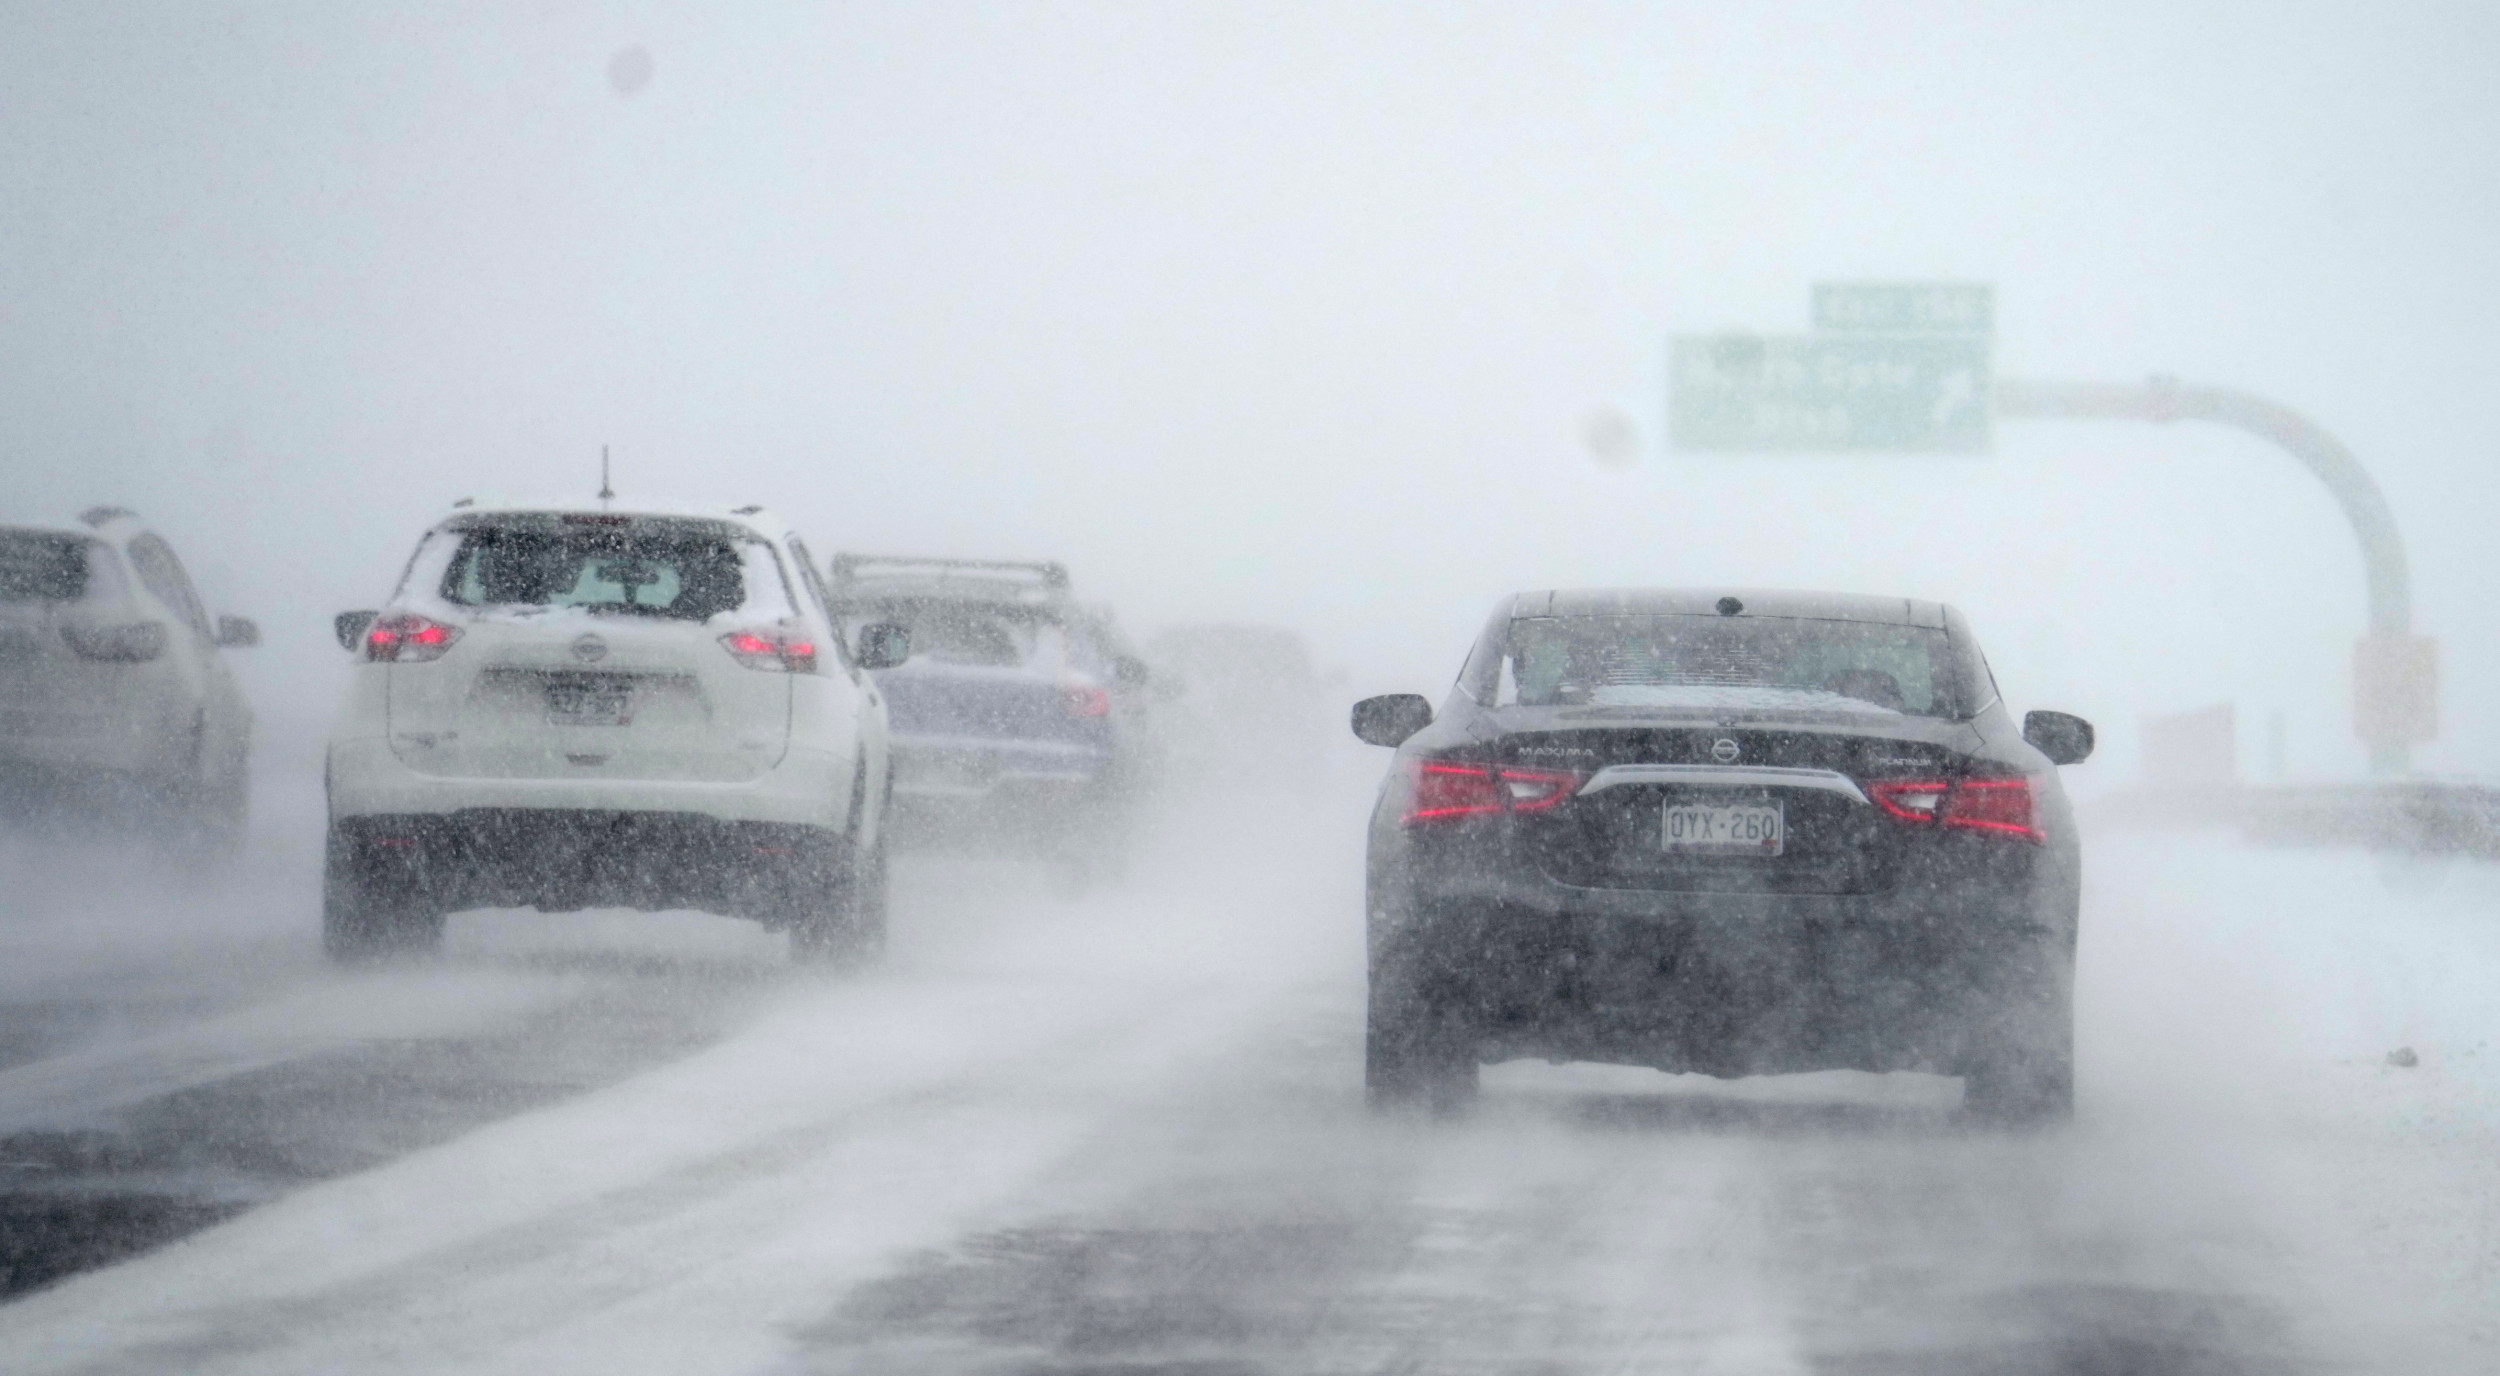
772 652
2000 805
1084 700
2005 806
408 639
1443 791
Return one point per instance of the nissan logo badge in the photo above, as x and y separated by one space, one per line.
590 649
1724 750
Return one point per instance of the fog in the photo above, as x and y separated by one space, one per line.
1313 316
1292 314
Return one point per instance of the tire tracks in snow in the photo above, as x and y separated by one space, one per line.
810 1146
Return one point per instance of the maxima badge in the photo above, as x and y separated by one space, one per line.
1724 750
590 649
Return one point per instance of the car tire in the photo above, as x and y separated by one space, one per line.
2026 1079
215 820
373 908
1419 1050
842 923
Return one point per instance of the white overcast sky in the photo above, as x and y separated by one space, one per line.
1280 312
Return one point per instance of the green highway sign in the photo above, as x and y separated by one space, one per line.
1905 307
1785 393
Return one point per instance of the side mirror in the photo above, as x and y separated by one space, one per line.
350 627
2065 739
1131 671
1390 718
237 632
883 646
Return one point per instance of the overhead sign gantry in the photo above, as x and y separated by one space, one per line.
1904 367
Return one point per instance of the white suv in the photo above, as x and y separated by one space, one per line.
566 709
110 677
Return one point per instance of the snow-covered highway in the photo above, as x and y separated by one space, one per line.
1126 1134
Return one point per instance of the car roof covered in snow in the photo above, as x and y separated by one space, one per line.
754 519
1810 606
117 522
891 578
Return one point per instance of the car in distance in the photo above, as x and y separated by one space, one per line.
111 679
1019 721
1726 832
1240 703
566 709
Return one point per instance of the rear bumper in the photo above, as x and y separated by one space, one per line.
1730 984
569 859
89 759
953 792
808 788
152 741
1033 816
972 768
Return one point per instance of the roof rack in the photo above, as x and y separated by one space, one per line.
847 568
97 515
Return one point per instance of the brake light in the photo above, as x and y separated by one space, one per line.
1443 791
2006 806
1999 805
136 643
772 652
408 639
1084 700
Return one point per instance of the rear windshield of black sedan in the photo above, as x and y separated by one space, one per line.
1732 662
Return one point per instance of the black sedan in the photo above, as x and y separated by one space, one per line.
1728 832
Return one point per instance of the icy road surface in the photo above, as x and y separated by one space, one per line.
1124 1134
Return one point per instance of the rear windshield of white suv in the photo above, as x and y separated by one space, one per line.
44 566
681 571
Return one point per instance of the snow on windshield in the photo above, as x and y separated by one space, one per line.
1696 661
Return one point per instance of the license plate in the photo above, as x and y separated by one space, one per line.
1723 829
583 705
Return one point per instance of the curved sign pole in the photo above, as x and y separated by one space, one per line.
2395 675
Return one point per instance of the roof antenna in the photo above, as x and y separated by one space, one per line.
607 494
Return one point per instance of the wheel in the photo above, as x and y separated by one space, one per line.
2019 1091
373 902
1086 845
2026 1077
213 819
1419 1049
839 919
199 809
866 894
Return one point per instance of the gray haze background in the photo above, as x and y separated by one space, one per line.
1287 313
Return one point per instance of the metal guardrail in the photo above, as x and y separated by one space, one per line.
2405 816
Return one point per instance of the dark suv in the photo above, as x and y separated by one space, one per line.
1017 722
1736 833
